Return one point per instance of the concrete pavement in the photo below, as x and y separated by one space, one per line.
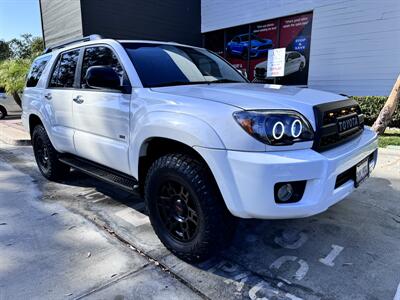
12 131
48 252
348 252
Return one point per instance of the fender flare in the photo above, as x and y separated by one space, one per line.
45 122
180 127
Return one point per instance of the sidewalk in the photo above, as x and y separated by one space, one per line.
12 132
49 252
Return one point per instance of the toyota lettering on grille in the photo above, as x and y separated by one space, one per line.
347 123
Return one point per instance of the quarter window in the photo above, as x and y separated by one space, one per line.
36 71
64 73
100 56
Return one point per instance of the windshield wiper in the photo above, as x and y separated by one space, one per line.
172 83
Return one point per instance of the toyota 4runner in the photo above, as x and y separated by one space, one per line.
184 128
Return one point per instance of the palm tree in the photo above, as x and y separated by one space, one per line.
388 110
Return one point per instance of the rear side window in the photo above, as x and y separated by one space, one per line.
100 56
36 71
63 75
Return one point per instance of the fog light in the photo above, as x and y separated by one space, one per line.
289 192
285 192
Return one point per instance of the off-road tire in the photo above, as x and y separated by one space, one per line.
53 170
215 224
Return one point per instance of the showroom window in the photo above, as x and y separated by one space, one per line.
246 47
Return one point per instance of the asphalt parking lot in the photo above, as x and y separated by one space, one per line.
350 251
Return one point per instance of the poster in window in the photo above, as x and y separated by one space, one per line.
295 36
237 47
264 36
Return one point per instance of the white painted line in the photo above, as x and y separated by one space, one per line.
301 271
397 296
328 260
132 216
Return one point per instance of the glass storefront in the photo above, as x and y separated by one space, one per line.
247 46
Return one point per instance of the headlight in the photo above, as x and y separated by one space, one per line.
275 127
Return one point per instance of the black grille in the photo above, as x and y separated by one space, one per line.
327 115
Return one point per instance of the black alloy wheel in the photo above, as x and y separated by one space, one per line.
177 211
186 209
46 155
41 154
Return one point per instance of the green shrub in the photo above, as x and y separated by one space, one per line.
372 105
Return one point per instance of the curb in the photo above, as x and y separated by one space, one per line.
14 142
14 136
390 151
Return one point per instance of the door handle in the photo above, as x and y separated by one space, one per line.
47 96
78 99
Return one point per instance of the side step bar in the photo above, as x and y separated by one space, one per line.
98 171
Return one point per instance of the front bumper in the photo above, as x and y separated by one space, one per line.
246 179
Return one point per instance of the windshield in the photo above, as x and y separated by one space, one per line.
166 65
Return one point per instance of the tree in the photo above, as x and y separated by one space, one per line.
18 56
5 51
12 76
26 46
388 109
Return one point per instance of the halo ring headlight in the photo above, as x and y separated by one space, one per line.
293 129
274 129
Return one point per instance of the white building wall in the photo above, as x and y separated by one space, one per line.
355 44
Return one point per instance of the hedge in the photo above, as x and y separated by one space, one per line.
372 105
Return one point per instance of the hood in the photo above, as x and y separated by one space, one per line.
254 96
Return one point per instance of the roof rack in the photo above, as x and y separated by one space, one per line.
91 37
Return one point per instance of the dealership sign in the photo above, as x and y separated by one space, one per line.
300 44
276 62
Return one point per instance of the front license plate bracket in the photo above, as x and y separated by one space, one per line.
362 172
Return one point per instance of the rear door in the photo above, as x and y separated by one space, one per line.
58 95
101 117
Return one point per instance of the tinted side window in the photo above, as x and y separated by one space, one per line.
100 56
2 90
64 72
36 71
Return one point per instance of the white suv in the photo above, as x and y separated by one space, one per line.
202 144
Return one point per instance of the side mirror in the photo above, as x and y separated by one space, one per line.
102 77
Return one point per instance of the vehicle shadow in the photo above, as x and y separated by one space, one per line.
319 256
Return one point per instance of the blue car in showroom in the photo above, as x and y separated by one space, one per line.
257 46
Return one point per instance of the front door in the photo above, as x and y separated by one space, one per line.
101 117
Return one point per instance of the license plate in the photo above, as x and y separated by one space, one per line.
347 123
362 172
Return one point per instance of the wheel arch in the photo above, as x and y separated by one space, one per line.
156 147
33 121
